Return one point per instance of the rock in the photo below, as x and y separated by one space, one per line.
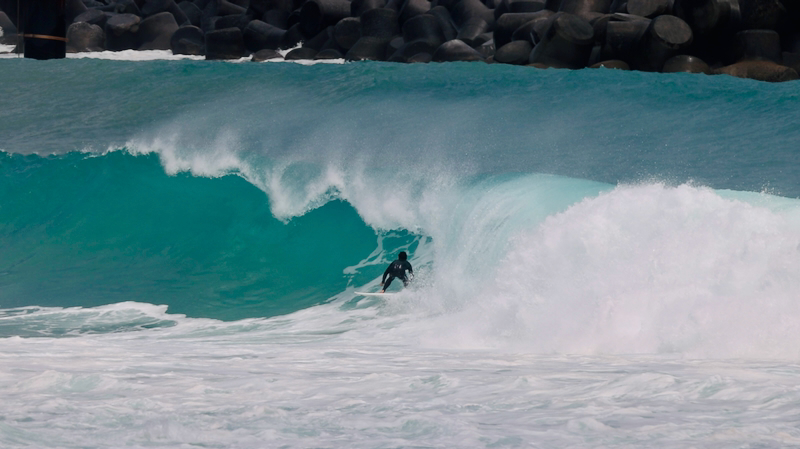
611 64
93 17
303 53
760 70
507 24
685 63
266 55
516 52
235 20
358 7
378 27
156 31
456 50
665 37
759 45
649 8
622 39
277 17
413 8
423 58
84 36
567 43
522 6
260 35
316 15
586 9
127 7
73 8
193 14
347 32
121 32
153 7
227 43
188 40
445 22
330 53
472 18
421 34
292 37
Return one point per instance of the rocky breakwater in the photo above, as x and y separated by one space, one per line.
757 39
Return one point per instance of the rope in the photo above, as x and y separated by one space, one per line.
44 36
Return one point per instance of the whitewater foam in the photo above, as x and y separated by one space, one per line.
640 269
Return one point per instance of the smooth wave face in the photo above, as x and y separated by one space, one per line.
84 231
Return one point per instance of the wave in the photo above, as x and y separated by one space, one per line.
524 262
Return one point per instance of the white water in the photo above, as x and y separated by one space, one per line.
298 381
640 316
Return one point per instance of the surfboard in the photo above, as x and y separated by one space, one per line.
373 294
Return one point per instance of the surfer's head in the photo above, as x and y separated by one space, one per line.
402 255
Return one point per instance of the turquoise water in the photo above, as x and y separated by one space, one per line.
602 258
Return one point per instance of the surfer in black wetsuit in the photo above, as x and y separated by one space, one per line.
397 269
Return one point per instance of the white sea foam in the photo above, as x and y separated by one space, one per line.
310 379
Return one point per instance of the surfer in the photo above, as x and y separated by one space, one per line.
397 269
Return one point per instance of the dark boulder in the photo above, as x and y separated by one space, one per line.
611 64
277 17
316 15
84 36
127 7
508 23
649 8
413 8
586 9
156 31
421 34
235 20
330 53
301 54
121 32
260 35
517 6
760 70
73 8
153 7
358 7
193 14
686 64
266 55
188 40
567 43
665 37
378 27
759 45
622 39
292 37
456 50
93 17
472 18
445 22
227 43
422 58
516 53
347 32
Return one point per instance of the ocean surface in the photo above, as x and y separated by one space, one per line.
602 259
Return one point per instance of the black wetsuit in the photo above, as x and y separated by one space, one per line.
396 269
